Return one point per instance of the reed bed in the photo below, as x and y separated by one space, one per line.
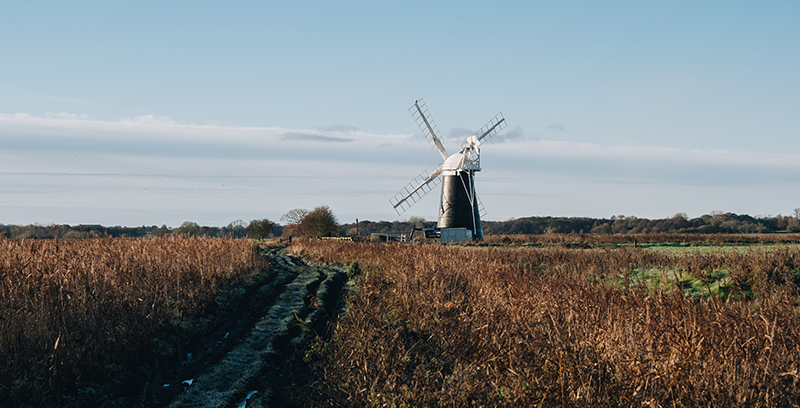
653 238
434 325
79 316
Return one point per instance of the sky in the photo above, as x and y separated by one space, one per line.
156 113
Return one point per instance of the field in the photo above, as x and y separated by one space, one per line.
546 320
554 321
83 318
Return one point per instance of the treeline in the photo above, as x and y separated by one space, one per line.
714 223
319 222
236 229
64 231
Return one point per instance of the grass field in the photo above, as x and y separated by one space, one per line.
527 324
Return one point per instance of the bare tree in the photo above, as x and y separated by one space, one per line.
292 218
417 222
236 228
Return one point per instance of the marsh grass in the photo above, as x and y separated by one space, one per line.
433 325
82 318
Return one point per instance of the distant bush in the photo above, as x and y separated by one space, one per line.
260 229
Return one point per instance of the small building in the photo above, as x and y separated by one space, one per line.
456 235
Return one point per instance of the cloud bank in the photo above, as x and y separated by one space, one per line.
69 168
143 135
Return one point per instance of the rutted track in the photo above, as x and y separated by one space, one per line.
253 356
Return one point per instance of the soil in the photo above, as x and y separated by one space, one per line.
251 353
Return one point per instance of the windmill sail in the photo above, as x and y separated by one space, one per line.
425 122
488 131
481 208
416 189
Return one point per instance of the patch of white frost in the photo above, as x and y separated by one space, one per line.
243 404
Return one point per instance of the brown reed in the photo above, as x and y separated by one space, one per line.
434 325
576 238
76 316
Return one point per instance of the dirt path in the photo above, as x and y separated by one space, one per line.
253 355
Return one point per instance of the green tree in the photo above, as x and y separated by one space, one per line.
259 229
321 222
161 231
188 228
602 229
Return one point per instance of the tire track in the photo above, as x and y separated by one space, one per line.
253 356
281 332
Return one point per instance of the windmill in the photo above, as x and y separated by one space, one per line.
459 206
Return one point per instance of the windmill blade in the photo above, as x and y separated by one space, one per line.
492 128
481 208
416 189
425 122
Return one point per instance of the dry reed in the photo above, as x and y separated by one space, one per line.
76 316
576 238
438 325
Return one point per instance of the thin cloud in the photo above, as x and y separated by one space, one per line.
138 128
515 134
460 133
340 129
532 149
162 137
555 127
66 115
313 137
150 120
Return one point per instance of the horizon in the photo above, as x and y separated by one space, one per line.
409 220
117 114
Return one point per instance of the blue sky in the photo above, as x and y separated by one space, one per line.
152 113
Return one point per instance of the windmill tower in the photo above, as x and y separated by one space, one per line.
459 206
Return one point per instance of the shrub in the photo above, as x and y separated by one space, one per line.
321 222
259 229
354 270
